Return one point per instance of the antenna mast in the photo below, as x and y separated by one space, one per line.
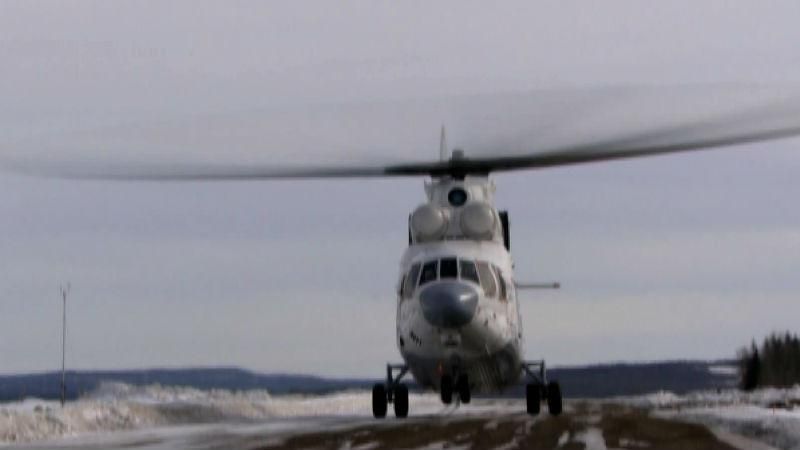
64 291
443 156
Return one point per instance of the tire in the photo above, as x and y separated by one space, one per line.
379 401
554 403
401 401
533 397
462 385
446 389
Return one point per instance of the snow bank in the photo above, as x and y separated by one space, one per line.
117 406
767 415
767 398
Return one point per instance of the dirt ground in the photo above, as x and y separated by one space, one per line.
582 426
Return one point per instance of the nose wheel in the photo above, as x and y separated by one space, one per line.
448 388
393 392
538 389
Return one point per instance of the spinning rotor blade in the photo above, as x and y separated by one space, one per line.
721 131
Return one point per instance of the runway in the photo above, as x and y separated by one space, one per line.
485 424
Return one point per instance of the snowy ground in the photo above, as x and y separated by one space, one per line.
768 415
122 416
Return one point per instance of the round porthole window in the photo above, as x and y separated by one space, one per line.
457 197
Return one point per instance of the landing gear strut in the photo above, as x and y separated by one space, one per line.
391 392
460 387
539 388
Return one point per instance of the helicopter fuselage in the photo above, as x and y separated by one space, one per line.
457 309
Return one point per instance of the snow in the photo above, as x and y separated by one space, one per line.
767 415
158 417
724 371
592 439
563 439
117 407
761 397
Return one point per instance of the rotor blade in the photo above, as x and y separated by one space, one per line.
758 125
184 172
581 155
775 122
458 167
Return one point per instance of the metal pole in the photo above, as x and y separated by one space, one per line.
64 292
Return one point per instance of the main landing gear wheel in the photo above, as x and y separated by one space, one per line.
554 398
391 392
533 398
538 389
462 385
401 401
446 389
379 401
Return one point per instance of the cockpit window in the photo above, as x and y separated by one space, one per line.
488 282
428 272
448 268
410 281
469 271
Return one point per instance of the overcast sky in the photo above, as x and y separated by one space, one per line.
685 256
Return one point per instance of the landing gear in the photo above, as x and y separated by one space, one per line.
554 398
538 388
533 398
461 388
391 392
462 385
446 389
379 401
401 401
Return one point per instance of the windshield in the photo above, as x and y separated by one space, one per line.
428 272
488 282
448 268
469 271
411 281
478 272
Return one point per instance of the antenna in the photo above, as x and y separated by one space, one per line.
64 291
443 146
522 286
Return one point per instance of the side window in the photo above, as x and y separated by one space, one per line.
429 272
502 283
488 283
468 271
411 281
448 268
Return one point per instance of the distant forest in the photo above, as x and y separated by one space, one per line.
776 363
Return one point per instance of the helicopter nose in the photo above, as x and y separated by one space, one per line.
449 305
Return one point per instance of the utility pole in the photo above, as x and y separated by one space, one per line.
64 291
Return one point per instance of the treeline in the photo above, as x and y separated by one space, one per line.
775 363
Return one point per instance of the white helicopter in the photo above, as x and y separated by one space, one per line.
458 318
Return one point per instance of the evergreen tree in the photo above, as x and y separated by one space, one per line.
776 364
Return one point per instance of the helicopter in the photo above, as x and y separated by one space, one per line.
458 318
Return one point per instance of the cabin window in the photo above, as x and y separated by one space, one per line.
429 272
488 282
468 271
400 285
448 268
410 281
